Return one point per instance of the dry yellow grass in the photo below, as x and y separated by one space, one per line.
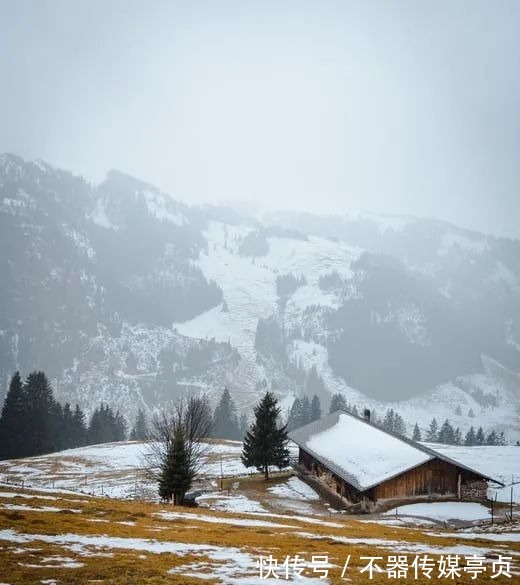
23 563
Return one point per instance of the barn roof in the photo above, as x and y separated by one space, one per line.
373 455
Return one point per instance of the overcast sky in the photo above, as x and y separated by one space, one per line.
330 106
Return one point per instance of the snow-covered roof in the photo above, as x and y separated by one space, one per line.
361 453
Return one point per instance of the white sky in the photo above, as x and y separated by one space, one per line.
331 106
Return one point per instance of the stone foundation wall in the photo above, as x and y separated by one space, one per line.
473 490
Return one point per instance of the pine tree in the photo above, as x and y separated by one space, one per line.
458 410
306 410
40 400
79 435
14 421
296 419
67 427
265 443
58 427
471 414
479 438
105 426
119 427
433 431
417 433
470 439
243 424
315 408
140 430
446 433
337 402
399 425
492 438
388 421
457 439
225 423
175 476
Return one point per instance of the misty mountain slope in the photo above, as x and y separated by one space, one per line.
249 284
122 294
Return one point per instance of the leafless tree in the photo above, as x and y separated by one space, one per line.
192 417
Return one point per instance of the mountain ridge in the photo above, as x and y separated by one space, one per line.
126 295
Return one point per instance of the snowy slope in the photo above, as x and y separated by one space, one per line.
249 285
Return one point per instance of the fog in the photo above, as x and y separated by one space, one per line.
395 107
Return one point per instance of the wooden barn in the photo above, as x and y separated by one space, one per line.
361 463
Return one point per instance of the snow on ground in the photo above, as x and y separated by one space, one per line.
400 546
443 511
24 508
230 503
226 563
220 520
495 537
294 489
372 455
116 470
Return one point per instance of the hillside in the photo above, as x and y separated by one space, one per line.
123 294
111 529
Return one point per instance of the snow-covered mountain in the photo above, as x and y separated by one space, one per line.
122 294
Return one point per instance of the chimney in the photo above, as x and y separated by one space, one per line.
366 414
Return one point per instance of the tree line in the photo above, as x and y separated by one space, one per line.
446 433
449 435
33 422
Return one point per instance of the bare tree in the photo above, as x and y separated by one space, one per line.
180 429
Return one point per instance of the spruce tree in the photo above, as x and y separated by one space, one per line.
433 431
265 443
58 427
243 424
140 430
41 409
417 433
479 438
470 439
225 423
457 439
337 402
446 433
175 475
296 419
399 425
315 408
119 428
492 438
306 410
79 435
67 426
14 421
388 421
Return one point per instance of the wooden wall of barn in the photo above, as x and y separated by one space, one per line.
435 477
